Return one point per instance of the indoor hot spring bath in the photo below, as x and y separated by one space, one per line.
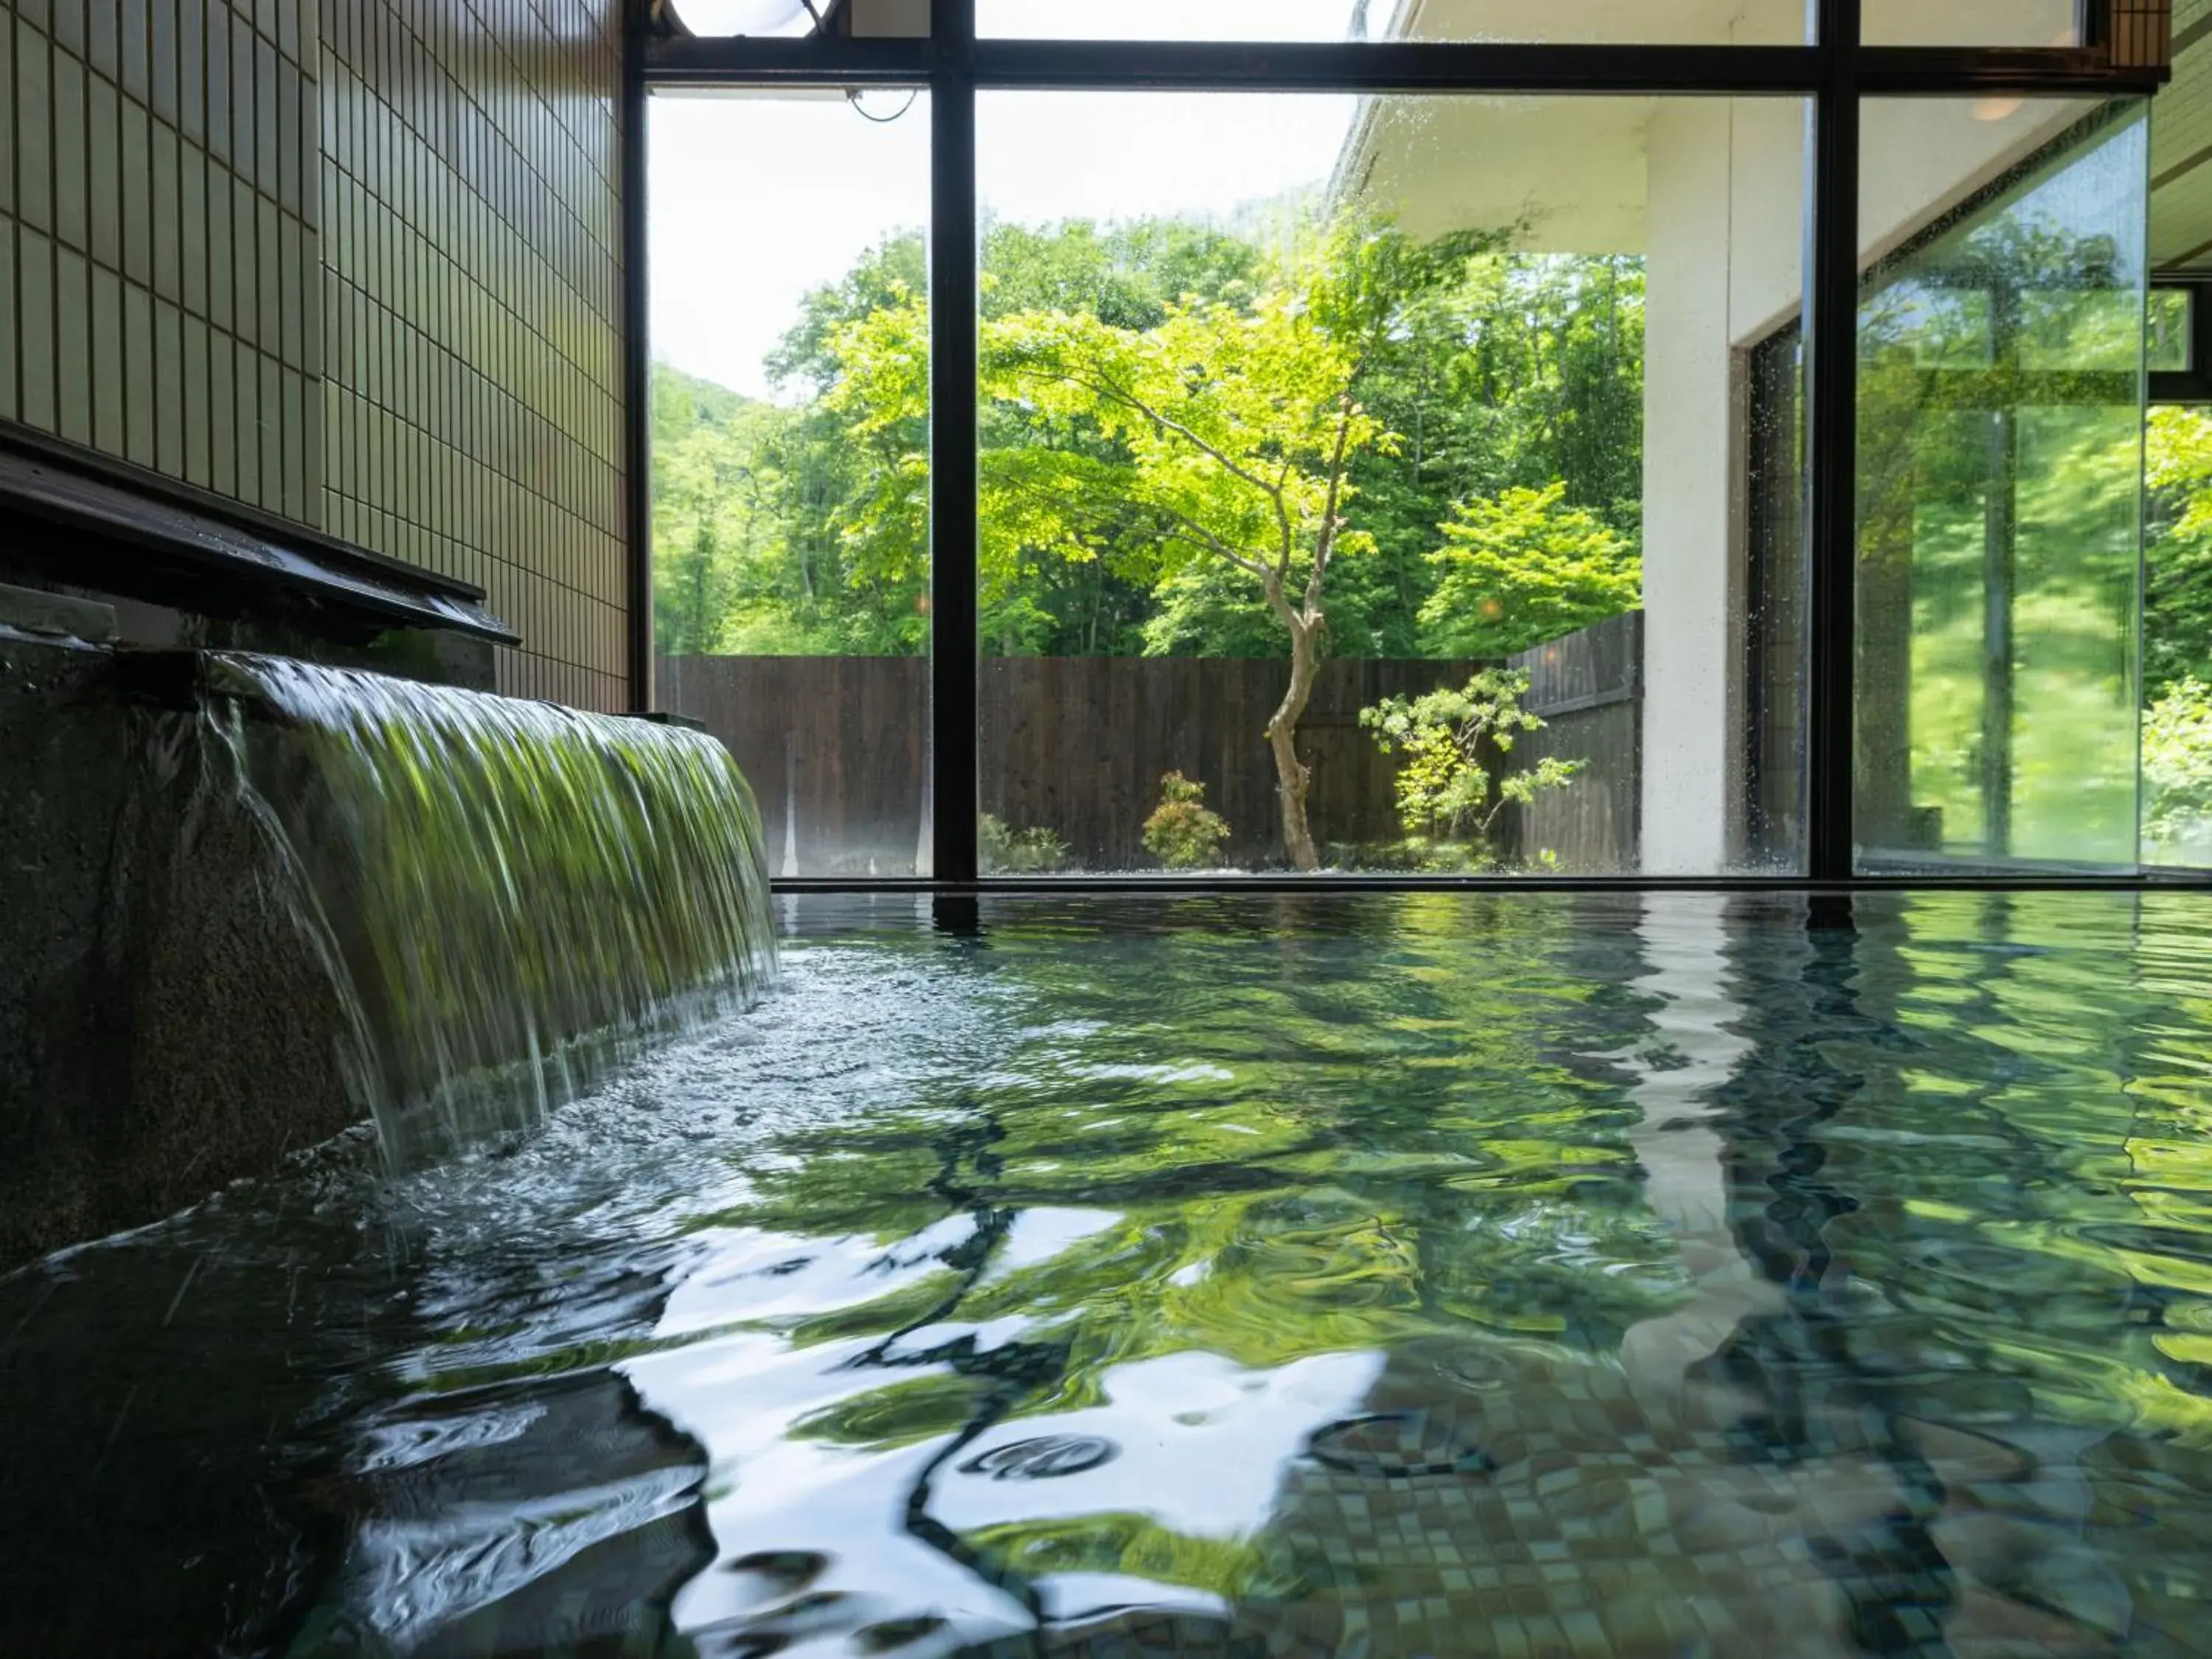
1415 1275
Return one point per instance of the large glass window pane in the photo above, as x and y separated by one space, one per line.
1699 22
790 525
2001 360
1971 22
1323 525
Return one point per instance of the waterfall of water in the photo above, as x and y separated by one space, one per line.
510 895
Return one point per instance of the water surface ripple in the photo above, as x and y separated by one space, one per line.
1412 1275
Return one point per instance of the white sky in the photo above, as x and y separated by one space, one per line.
757 199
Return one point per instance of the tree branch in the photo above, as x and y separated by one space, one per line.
1184 530
1107 388
1325 545
1093 511
1281 606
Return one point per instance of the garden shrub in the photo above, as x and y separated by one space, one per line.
1446 791
1181 834
1006 851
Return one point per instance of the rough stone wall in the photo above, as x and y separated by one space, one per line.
165 1028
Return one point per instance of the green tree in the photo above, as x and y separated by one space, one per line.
718 520
1225 434
1508 370
858 460
1526 372
858 493
2176 762
1523 568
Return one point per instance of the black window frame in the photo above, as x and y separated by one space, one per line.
1834 74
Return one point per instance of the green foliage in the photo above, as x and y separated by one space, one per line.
1449 739
2177 735
1459 371
1155 433
715 511
1218 439
2177 761
2177 603
1181 834
1007 852
1195 442
1422 855
1998 367
1526 371
751 554
1523 568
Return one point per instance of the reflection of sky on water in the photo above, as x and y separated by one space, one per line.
1200 1444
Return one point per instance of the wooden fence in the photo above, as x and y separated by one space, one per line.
1589 687
837 748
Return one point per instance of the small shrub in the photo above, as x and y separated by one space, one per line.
1181 833
1445 791
1006 851
1412 855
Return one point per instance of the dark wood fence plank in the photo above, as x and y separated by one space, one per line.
836 749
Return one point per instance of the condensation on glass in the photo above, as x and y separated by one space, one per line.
1298 410
1971 22
1684 22
2000 360
763 19
788 19
790 421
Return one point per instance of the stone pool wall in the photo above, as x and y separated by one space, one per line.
164 1027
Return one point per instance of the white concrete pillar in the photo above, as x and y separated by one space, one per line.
1688 454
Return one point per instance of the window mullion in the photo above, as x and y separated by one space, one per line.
1831 438
954 703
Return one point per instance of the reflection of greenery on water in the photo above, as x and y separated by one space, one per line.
1410 1124
1287 1154
2022 1223
1130 1543
1151 1156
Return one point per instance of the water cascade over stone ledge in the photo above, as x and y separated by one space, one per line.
251 901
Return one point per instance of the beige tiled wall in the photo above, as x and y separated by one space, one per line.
472 294
357 262
158 238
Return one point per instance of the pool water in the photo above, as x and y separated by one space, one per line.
1414 1275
